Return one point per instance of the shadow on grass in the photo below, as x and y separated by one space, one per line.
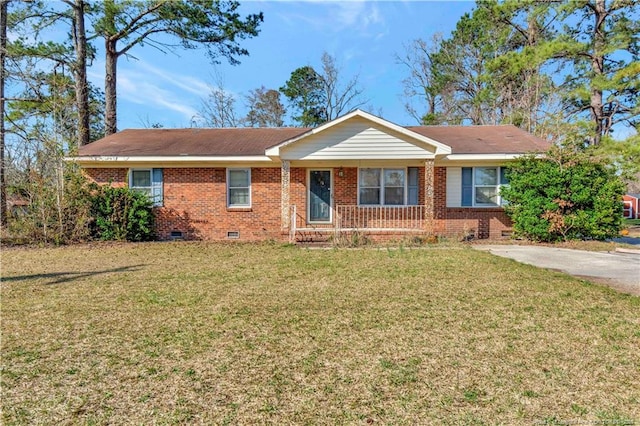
64 277
627 240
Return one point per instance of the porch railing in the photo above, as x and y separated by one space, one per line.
362 218
293 217
391 218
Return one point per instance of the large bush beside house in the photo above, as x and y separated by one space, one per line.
564 196
71 209
122 214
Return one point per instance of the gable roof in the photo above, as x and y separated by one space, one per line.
263 142
384 125
503 139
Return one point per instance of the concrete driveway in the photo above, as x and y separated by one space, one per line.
618 270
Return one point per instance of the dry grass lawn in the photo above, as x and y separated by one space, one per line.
170 333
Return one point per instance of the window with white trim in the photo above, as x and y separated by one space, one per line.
239 187
388 186
149 182
481 186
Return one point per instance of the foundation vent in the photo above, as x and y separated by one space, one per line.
176 235
233 235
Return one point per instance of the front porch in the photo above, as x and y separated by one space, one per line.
325 202
357 173
350 219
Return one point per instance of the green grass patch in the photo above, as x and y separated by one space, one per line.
164 333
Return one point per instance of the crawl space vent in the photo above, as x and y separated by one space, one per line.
176 235
233 234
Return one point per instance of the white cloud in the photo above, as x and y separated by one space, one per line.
185 82
336 16
148 87
135 87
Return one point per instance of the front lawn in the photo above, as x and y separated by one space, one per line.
171 333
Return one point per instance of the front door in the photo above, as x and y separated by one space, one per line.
320 196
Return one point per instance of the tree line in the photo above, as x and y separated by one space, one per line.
532 64
53 108
313 97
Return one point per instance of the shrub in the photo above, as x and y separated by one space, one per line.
564 196
64 207
57 210
122 214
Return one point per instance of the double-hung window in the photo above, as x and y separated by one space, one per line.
481 186
388 186
239 187
149 182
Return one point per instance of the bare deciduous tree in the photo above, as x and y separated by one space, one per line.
218 109
340 96
265 108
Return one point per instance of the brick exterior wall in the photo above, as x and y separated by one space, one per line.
195 203
115 177
460 222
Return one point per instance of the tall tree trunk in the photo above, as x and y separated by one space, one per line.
597 64
80 73
111 67
3 53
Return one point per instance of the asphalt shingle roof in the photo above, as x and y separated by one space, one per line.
505 139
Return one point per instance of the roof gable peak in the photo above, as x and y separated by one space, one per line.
439 148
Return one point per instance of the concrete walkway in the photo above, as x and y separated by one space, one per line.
618 270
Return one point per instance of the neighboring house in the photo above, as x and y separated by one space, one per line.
631 206
358 172
17 205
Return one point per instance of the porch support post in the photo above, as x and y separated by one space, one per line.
429 183
285 183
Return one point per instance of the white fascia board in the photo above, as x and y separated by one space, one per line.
480 157
440 147
486 157
180 159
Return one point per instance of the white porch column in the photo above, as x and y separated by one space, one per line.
285 183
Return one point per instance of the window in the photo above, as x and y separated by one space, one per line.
239 187
389 187
370 186
412 187
481 186
147 181
486 186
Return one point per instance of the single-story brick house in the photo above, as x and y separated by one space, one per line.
358 172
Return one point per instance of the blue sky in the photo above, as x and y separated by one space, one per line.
363 36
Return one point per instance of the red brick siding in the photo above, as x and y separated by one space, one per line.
454 222
298 194
116 177
345 187
195 203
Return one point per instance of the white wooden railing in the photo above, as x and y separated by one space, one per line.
348 218
292 224
380 217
